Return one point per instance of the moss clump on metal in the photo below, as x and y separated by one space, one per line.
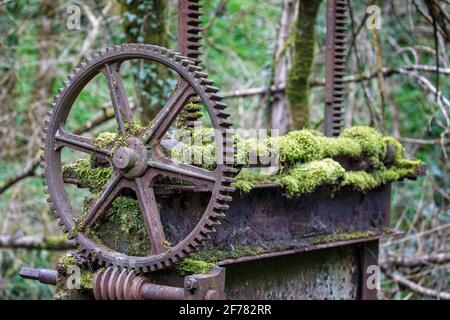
87 175
306 178
308 161
192 266
203 261
191 112
340 236
123 224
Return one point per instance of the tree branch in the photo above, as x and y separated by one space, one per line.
30 170
36 242
417 287
413 261
387 72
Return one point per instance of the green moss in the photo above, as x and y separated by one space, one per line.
191 112
105 139
339 147
249 149
308 177
360 180
305 154
54 242
203 261
246 180
339 236
192 266
123 223
66 261
86 277
299 146
370 140
363 181
93 178
297 87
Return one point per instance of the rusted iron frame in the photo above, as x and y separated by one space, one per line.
316 247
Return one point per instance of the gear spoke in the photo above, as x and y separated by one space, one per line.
183 171
76 142
150 212
104 200
167 115
118 96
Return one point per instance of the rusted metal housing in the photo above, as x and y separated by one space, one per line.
316 246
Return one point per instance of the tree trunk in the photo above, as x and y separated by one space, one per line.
279 109
297 88
145 21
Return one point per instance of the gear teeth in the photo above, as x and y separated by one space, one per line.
212 89
227 189
216 97
193 68
200 75
206 82
220 106
223 115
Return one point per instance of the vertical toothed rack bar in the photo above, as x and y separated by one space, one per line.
189 41
189 29
335 66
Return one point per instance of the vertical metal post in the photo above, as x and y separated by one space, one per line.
335 66
189 29
369 257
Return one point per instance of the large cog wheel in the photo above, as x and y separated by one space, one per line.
136 164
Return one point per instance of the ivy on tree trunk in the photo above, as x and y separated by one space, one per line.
303 57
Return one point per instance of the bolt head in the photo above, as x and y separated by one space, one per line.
190 283
125 158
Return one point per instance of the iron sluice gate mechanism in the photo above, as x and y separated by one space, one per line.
312 246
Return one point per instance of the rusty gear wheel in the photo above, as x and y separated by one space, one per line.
136 164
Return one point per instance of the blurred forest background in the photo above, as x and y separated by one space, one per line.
268 57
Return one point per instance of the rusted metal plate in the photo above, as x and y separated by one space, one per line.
266 218
327 274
